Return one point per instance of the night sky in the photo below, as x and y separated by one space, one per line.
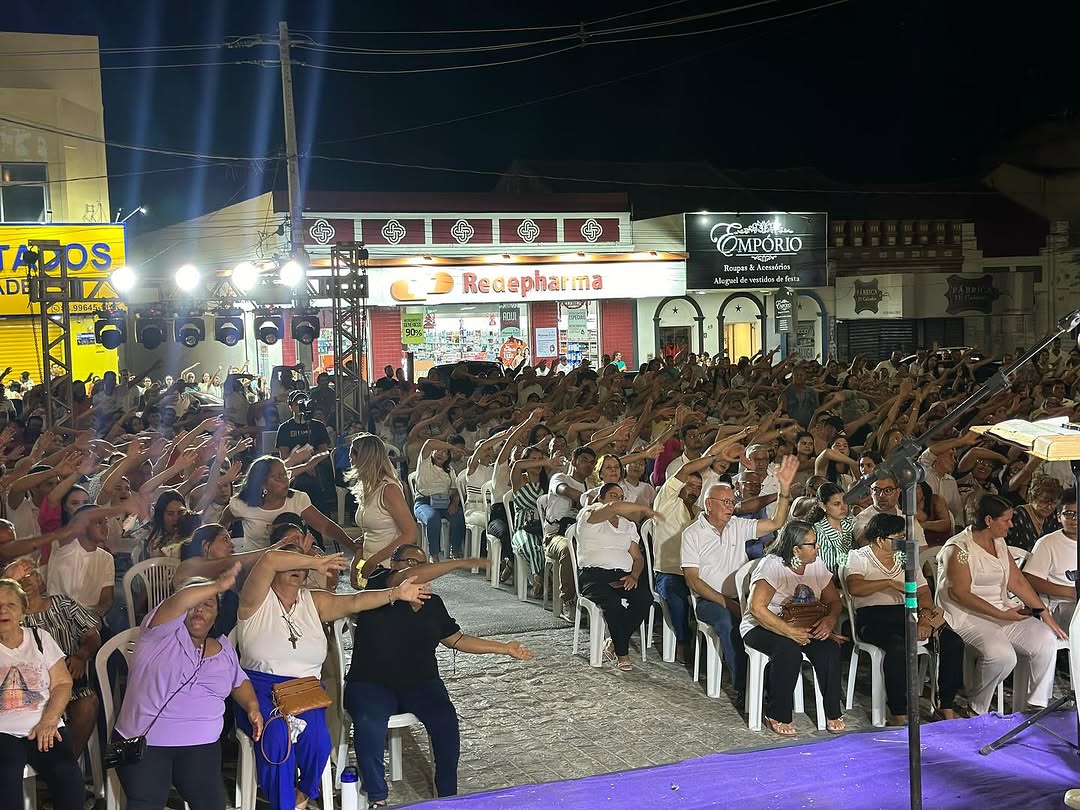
865 91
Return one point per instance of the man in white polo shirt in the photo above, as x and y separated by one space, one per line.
885 493
714 549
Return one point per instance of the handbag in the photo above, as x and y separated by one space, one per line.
803 614
292 698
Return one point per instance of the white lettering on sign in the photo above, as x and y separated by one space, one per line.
471 283
763 240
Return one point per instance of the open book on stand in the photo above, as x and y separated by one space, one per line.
1054 439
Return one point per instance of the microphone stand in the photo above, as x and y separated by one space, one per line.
902 465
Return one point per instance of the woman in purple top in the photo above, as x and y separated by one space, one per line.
177 686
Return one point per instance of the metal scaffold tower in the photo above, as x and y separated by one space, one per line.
349 293
50 289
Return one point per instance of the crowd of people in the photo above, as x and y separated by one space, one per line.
682 478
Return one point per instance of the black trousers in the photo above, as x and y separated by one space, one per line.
57 767
883 626
195 770
785 662
499 529
622 621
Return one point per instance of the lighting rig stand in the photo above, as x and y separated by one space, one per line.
349 293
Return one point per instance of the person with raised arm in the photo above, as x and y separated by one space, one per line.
280 636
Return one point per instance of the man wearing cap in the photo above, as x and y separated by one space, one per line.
297 431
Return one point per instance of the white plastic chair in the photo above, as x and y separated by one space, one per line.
597 625
877 663
29 788
487 492
157 575
123 643
396 725
247 787
757 661
475 533
521 565
1019 555
667 631
549 565
714 664
444 536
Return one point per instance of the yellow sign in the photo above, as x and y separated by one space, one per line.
412 328
93 250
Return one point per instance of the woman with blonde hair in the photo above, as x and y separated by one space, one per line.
382 511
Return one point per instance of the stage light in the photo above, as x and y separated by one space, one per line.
229 329
149 331
305 327
291 273
268 327
244 276
189 331
122 280
187 278
110 329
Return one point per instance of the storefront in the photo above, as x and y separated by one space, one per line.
93 251
472 308
735 265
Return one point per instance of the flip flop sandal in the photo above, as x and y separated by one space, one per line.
831 730
775 728
625 666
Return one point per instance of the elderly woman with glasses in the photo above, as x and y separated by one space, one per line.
1037 517
394 670
1053 559
789 582
875 580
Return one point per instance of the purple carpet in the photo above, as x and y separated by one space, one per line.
857 770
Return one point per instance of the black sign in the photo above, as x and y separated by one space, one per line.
736 251
867 296
784 310
971 294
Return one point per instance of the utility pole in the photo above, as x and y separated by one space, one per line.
305 353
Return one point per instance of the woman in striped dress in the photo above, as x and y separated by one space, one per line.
835 531
528 481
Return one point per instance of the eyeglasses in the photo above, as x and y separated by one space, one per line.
806 545
1069 513
412 561
722 501
883 490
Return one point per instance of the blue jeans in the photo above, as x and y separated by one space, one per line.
672 589
721 620
370 706
432 519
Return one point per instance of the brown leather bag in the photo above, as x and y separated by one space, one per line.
803 614
292 698
299 695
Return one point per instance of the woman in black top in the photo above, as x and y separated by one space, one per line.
394 671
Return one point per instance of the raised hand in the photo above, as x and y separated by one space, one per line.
331 563
789 467
517 650
227 578
414 593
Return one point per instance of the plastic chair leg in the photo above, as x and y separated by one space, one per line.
853 669
819 705
800 705
668 640
93 753
342 748
646 637
395 754
521 577
29 793
755 692
697 657
713 667
326 789
597 630
494 560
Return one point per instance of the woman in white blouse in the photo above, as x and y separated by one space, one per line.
976 576
436 498
875 580
610 563
791 575
280 637
381 509
265 494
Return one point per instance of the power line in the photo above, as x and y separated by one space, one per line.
654 184
635 13
440 69
132 147
451 32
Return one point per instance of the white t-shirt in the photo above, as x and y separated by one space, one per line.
864 562
641 493
559 506
601 545
257 520
73 571
264 638
1052 556
789 586
717 555
863 519
25 518
24 673
431 480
